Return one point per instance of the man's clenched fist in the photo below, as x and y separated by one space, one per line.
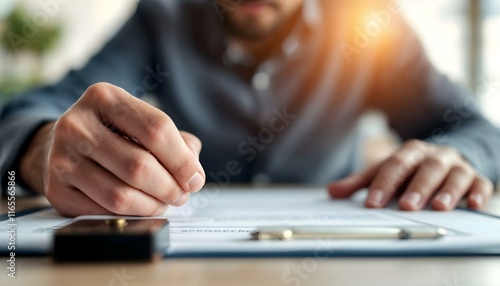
111 153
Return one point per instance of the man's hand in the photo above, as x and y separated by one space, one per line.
422 173
112 153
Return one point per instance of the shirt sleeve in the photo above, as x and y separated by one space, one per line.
123 62
422 103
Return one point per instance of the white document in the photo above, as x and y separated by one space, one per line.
219 223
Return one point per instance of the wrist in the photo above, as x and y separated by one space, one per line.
33 163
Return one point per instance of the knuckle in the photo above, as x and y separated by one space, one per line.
390 178
386 179
393 172
100 93
436 163
489 184
59 167
397 161
56 161
69 130
486 184
137 169
66 125
120 201
184 166
159 129
464 170
452 152
98 88
170 194
416 144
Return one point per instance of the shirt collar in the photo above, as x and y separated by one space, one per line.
217 42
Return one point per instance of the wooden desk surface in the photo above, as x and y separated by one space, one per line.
453 271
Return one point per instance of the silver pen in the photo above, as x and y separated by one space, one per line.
347 232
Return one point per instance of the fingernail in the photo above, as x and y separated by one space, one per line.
181 199
478 199
445 199
413 199
196 182
376 198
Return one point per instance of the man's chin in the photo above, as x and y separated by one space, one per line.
250 33
251 30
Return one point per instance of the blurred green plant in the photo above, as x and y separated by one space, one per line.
21 35
41 40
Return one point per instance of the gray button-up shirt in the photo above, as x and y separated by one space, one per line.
290 118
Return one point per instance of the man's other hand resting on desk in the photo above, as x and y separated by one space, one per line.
422 173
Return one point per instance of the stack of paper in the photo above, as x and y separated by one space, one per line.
219 223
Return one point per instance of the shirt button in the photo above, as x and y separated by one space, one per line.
261 81
291 46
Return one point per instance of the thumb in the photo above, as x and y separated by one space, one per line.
193 143
348 186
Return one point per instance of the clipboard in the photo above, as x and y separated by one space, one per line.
193 230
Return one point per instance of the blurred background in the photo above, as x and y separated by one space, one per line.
462 38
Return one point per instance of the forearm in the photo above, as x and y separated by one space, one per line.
16 133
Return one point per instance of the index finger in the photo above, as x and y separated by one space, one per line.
393 173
